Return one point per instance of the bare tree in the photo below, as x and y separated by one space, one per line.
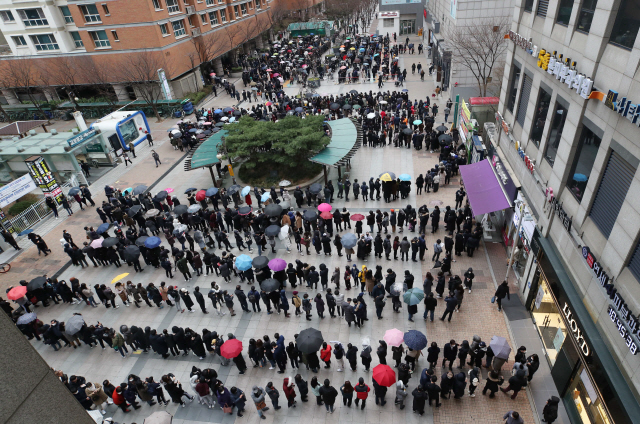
21 73
480 48
99 75
140 70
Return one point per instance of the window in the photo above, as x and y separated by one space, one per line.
178 28
250 5
33 17
586 15
387 22
7 16
115 35
100 39
210 3
90 12
156 4
611 193
77 39
223 16
523 102
45 42
213 17
564 12
172 6
236 12
557 125
258 5
68 19
164 30
513 90
106 10
543 5
528 5
19 40
203 18
586 152
243 9
540 117
627 23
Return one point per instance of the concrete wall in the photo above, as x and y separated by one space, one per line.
29 390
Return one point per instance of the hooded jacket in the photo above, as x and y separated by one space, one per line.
550 411
328 393
257 394
401 392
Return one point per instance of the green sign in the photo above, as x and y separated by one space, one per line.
95 148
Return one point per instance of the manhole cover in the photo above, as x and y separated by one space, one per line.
436 203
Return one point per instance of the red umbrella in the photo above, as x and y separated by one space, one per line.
384 375
201 195
326 215
231 348
357 217
17 292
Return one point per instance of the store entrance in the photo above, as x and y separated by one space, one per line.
407 26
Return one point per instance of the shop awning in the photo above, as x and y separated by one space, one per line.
346 138
207 153
483 188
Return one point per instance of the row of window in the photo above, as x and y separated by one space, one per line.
624 30
173 6
45 42
36 17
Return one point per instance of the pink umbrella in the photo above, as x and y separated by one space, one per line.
393 337
168 190
97 243
212 74
277 264
326 215
304 66
276 74
268 104
207 123
17 292
269 70
324 207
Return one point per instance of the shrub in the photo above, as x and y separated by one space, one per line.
20 207
236 69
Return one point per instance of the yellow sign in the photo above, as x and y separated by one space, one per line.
231 170
543 59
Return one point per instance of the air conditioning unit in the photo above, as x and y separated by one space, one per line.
436 27
195 32
190 10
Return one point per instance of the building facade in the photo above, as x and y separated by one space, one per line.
567 131
404 17
180 33
446 17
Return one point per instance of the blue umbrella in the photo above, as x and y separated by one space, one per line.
192 130
362 49
25 232
415 340
377 54
211 192
404 177
580 177
246 191
217 111
102 228
74 191
265 197
405 90
299 110
413 296
152 242
126 190
243 262
349 240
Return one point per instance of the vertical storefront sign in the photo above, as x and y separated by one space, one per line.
43 176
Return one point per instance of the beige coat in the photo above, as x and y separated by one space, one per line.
286 220
97 395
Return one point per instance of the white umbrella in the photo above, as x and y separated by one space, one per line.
284 232
371 115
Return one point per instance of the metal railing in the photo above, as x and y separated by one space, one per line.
38 211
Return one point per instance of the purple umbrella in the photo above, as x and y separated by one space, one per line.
277 264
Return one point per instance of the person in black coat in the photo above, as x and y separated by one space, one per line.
196 344
459 384
419 400
550 410
303 387
446 385
352 356
450 352
379 392
382 352
158 344
188 302
328 394
200 299
180 340
313 361
433 390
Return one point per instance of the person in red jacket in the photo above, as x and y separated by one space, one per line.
362 392
325 355
289 392
118 399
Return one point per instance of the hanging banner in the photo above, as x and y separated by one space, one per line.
44 178
16 189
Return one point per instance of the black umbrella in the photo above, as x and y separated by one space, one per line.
36 283
131 253
310 215
270 285
87 249
220 124
441 128
180 209
234 189
110 241
309 340
189 190
407 131
334 106
140 240
272 230
273 210
445 138
134 210
74 191
237 113
260 262
245 210
139 189
315 188
353 92
346 107
162 195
